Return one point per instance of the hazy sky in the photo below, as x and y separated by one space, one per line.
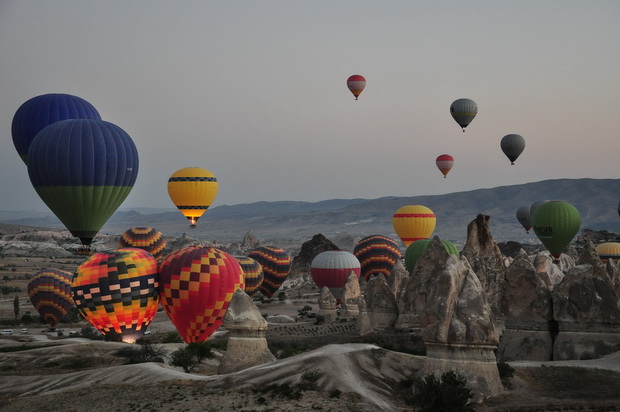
255 91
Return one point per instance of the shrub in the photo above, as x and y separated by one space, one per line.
172 337
191 355
142 352
335 393
309 380
449 393
505 370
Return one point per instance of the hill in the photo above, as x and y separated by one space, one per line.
596 199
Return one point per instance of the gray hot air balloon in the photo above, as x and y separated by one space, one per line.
463 111
523 216
512 145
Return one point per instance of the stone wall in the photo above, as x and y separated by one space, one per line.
309 329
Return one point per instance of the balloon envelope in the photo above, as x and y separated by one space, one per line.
463 111
608 250
523 216
146 238
377 255
417 248
555 224
356 84
512 145
444 163
332 268
192 190
50 293
413 222
276 265
117 292
41 111
196 286
83 170
252 273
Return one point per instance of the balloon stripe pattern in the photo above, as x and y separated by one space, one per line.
117 292
252 272
413 222
41 111
192 190
356 84
332 268
276 265
444 163
608 250
377 255
196 286
556 223
145 238
50 292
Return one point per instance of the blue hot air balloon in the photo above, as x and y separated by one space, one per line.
83 169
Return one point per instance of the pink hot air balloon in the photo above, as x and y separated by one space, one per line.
444 163
356 84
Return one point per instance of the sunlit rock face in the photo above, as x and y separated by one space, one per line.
349 304
327 305
380 303
247 345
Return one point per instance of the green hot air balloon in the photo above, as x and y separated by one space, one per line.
556 223
417 248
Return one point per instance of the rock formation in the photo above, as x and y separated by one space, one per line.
364 324
247 345
397 278
486 260
349 305
327 305
547 269
309 250
380 303
249 241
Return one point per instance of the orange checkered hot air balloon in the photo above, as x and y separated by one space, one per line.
413 222
117 292
50 292
145 238
196 286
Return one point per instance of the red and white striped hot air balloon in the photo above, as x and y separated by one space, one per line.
332 268
356 84
444 163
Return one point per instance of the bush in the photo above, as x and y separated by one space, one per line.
172 337
305 310
335 393
142 352
449 393
505 370
309 380
191 355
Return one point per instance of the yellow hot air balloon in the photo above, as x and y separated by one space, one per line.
192 190
413 222
608 250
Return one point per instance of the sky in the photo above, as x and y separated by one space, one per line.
255 91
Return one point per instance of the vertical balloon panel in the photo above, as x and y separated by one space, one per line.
276 265
377 255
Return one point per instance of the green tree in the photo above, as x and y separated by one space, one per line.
449 393
142 352
191 355
16 306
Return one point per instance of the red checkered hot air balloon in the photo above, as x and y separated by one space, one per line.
117 292
252 272
196 286
145 238
50 292
276 265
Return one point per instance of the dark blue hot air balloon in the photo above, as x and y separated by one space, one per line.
41 111
83 169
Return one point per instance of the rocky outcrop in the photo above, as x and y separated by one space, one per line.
486 260
247 345
380 303
327 305
349 304
397 278
546 268
300 265
249 241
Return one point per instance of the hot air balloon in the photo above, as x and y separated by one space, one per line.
196 286
377 255
413 222
356 84
145 238
332 268
512 145
41 111
117 292
50 292
276 265
555 224
523 216
417 248
252 273
608 250
444 163
83 169
534 205
192 190
463 111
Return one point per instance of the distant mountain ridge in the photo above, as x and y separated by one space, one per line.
596 200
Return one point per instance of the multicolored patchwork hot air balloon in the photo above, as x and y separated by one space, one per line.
523 216
356 84
332 268
50 292
417 248
556 223
145 238
252 272
83 169
413 222
377 255
196 286
41 111
276 265
117 292
444 163
192 190
512 145
608 250
463 111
